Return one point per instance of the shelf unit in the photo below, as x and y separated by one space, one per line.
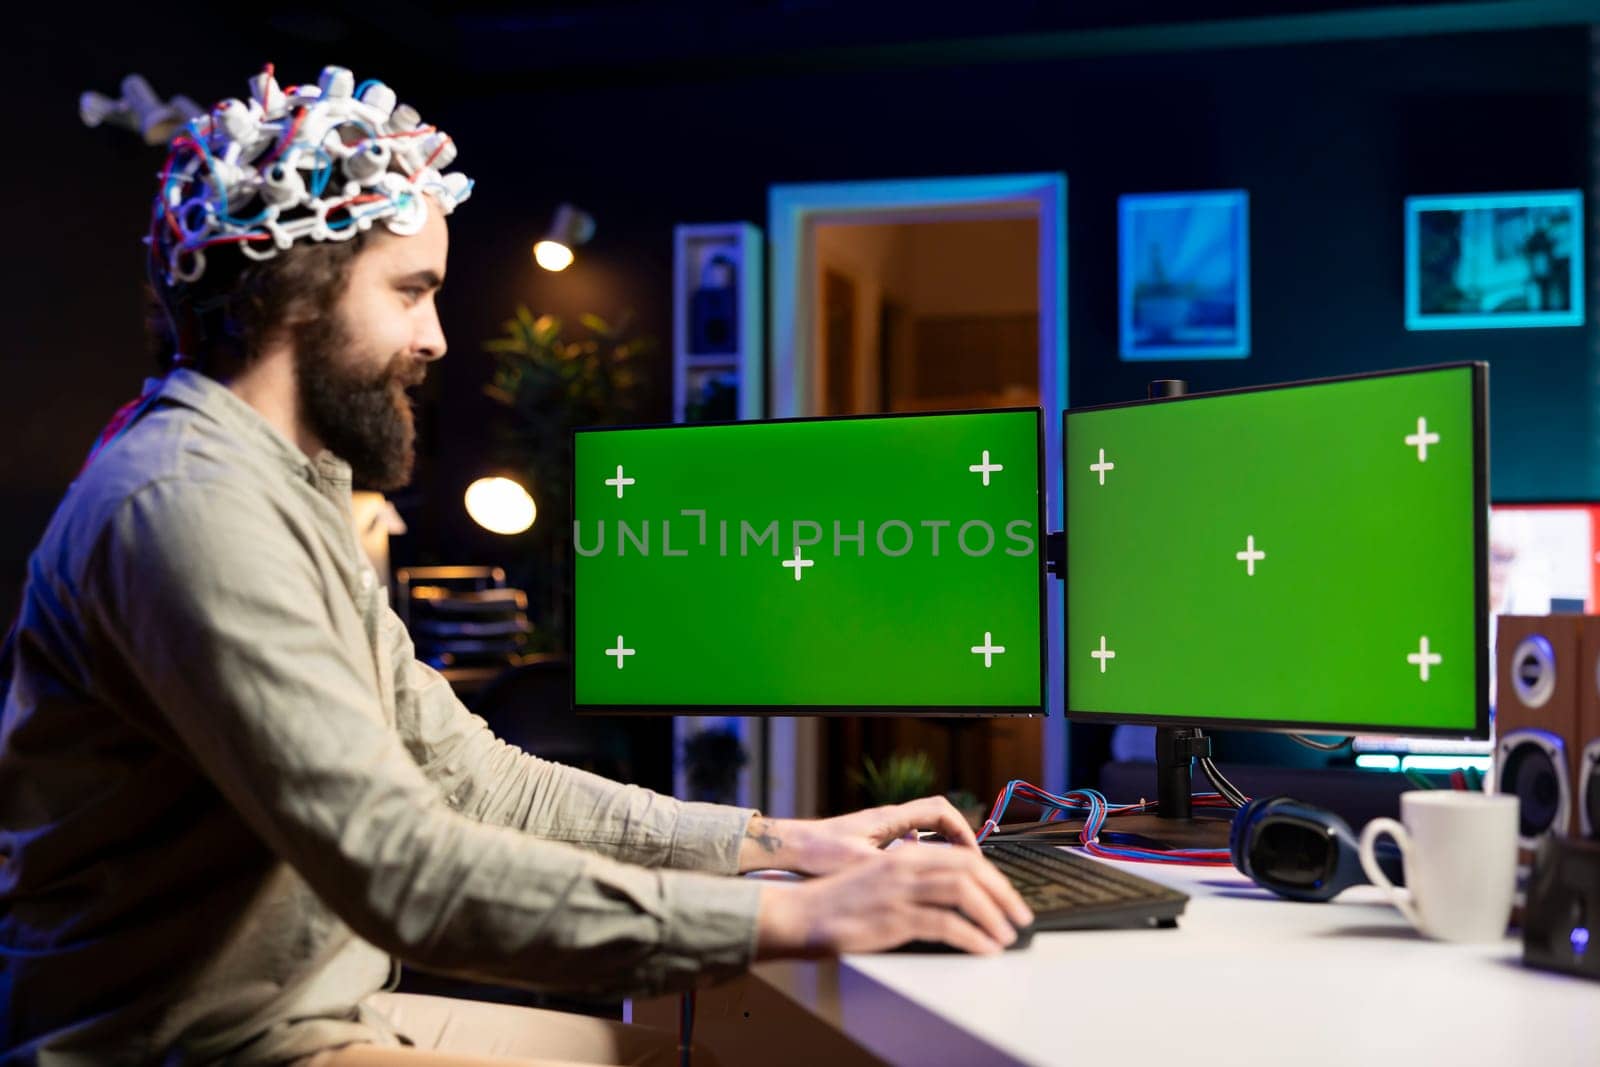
717 329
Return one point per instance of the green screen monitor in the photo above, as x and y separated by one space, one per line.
1308 557
864 565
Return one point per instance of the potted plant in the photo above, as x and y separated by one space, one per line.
551 380
903 776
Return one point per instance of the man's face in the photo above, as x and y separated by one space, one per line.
354 369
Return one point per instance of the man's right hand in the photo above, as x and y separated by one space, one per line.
910 892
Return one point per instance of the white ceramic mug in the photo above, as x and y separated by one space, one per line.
1459 850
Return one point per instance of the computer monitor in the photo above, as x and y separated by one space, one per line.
1542 558
1541 561
1308 557
861 565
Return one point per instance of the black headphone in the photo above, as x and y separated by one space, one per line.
1301 851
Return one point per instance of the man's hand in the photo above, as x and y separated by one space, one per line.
822 846
929 892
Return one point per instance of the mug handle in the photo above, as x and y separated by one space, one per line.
1401 898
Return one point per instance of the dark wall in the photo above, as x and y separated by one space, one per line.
1328 139
77 203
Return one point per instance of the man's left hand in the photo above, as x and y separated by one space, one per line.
822 846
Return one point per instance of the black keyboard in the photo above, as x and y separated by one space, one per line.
1071 892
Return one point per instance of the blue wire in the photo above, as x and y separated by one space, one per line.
364 86
372 134
1098 808
211 164
222 191
319 181
351 217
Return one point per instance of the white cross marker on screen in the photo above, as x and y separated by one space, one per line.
620 652
988 650
1101 467
799 564
985 467
1250 555
1102 654
619 481
1421 440
1424 659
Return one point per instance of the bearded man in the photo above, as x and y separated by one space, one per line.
232 800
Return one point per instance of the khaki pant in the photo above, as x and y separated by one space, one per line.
469 1033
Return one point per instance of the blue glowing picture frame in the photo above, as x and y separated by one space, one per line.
1207 237
1420 318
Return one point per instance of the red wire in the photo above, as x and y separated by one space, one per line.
235 239
436 151
112 428
1088 836
166 208
1210 858
418 132
287 140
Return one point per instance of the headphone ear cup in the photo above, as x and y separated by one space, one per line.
1313 855
1243 829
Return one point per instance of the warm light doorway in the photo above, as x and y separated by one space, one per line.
920 295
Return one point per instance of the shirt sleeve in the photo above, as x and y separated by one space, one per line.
496 782
214 600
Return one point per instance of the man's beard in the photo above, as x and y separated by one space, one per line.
363 417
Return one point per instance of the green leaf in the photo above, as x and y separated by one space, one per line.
547 330
903 777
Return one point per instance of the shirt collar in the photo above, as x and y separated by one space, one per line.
216 401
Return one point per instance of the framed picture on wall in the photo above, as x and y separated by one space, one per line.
1185 275
1492 260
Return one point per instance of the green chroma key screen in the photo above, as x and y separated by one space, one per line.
879 564
1303 556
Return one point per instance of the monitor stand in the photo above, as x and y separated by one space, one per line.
1175 823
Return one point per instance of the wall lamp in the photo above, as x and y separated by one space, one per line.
570 228
500 505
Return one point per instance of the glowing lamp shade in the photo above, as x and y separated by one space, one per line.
500 505
570 228
552 255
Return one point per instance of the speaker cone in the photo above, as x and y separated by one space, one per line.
1531 765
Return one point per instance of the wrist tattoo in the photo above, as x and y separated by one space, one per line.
764 833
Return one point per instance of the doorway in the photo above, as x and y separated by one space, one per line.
914 296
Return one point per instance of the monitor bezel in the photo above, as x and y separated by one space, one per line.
987 711
1479 731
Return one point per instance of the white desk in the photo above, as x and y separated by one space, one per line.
1246 979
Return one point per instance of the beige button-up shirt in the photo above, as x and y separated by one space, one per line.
229 793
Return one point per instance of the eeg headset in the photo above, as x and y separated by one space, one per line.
321 161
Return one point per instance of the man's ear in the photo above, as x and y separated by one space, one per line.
300 311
